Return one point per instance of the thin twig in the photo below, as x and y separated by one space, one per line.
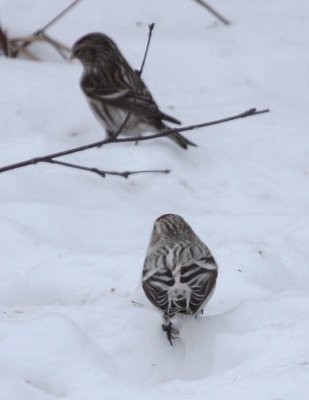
40 32
57 17
26 52
139 74
213 11
102 173
140 71
167 132
136 303
248 113
56 45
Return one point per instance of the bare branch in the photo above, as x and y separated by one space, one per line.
55 43
56 18
59 47
39 34
150 29
167 132
102 173
213 11
26 53
47 158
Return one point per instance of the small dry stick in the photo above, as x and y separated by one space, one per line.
102 173
59 47
42 30
213 11
25 52
57 17
40 34
136 303
47 158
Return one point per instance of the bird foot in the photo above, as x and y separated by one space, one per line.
198 314
171 332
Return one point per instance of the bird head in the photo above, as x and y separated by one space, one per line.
93 48
171 227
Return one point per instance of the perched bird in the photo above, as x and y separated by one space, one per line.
113 89
179 273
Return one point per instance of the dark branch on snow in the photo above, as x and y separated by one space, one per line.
41 35
103 173
13 46
47 158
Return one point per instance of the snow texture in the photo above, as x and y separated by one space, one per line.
73 244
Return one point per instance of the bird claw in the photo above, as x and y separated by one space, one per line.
171 332
198 314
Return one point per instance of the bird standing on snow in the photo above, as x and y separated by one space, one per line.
113 88
179 272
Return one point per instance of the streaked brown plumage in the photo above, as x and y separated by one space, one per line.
110 84
179 273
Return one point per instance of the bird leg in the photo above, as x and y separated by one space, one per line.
136 142
171 332
198 314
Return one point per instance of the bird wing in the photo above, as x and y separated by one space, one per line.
123 95
183 289
156 281
200 276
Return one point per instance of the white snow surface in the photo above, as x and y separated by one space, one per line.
73 243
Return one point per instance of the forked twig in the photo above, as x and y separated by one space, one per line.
57 17
42 30
248 113
19 44
103 173
26 53
59 47
50 157
41 35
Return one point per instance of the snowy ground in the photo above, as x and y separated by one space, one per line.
72 244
